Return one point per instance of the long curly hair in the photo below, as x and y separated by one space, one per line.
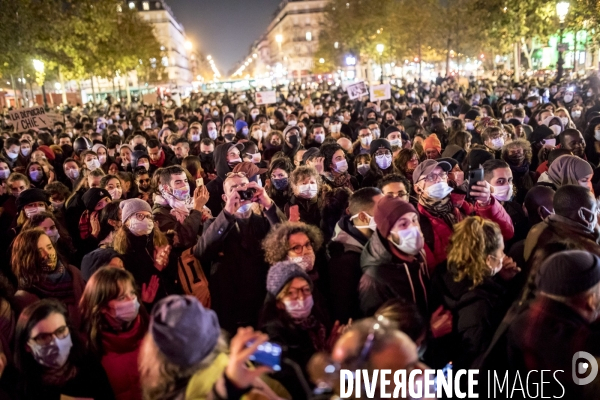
522 143
473 240
276 243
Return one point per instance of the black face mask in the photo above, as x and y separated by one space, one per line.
229 136
293 140
206 157
67 150
516 159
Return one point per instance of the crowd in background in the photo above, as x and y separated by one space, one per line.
148 250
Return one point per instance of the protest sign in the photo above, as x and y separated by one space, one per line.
357 90
267 97
381 92
28 118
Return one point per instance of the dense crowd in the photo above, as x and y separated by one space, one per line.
149 250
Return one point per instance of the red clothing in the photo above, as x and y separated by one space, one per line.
442 232
161 160
120 361
543 167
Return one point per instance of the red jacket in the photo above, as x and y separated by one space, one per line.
442 232
120 361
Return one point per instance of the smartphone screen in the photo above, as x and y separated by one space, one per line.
268 354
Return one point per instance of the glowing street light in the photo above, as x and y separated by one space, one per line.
39 67
380 47
188 45
279 38
321 60
350 60
209 57
562 9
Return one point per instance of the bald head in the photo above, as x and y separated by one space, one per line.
346 144
538 203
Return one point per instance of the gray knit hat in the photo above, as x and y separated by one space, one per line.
283 272
132 206
569 273
183 330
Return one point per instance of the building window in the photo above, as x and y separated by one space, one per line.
308 36
131 5
158 5
165 61
146 6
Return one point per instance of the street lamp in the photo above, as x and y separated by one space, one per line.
562 9
188 45
321 60
380 47
39 66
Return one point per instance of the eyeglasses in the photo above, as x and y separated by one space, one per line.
144 180
46 338
294 293
240 174
141 217
298 248
435 177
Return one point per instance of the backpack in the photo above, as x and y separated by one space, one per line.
192 278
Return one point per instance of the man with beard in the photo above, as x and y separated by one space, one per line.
142 180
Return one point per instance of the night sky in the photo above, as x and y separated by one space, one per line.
224 28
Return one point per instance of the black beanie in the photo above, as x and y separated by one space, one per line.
472 114
31 196
478 157
569 273
92 196
390 129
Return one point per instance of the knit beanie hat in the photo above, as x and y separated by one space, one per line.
568 170
388 210
183 330
240 124
31 196
477 157
378 144
132 206
390 129
136 155
93 196
472 114
283 272
569 273
48 152
432 142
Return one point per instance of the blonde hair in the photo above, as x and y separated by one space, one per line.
121 242
473 240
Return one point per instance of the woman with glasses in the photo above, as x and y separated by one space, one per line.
42 272
292 318
472 287
51 359
144 249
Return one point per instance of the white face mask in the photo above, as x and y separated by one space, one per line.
244 209
53 235
140 228
334 128
396 142
568 98
411 240
292 122
318 113
372 225
503 193
299 309
597 135
308 191
145 166
12 155
93 164
341 166
576 113
102 159
319 137
556 129
564 120
195 137
30 212
363 169
376 133
384 161
127 311
116 193
25 152
306 262
4 173
497 143
550 142
257 135
469 126
212 134
366 141
439 190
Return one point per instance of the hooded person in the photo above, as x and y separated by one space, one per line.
571 170
542 136
140 158
381 162
440 209
350 236
97 259
393 261
226 157
292 141
241 129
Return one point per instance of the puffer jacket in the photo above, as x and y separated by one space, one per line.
386 276
442 232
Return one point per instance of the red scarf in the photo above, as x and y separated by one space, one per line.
160 161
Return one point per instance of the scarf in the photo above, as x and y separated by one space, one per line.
522 170
342 180
315 330
85 227
180 209
62 291
443 209
160 161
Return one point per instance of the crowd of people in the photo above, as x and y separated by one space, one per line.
149 250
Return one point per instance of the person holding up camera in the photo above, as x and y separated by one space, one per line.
230 251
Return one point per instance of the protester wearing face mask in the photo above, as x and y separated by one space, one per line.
437 205
518 156
468 289
239 230
144 249
42 272
115 323
273 144
10 151
37 175
396 245
363 144
277 186
294 318
242 130
226 157
292 141
103 157
113 186
335 167
304 204
493 139
29 203
51 359
55 231
380 165
4 170
349 239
